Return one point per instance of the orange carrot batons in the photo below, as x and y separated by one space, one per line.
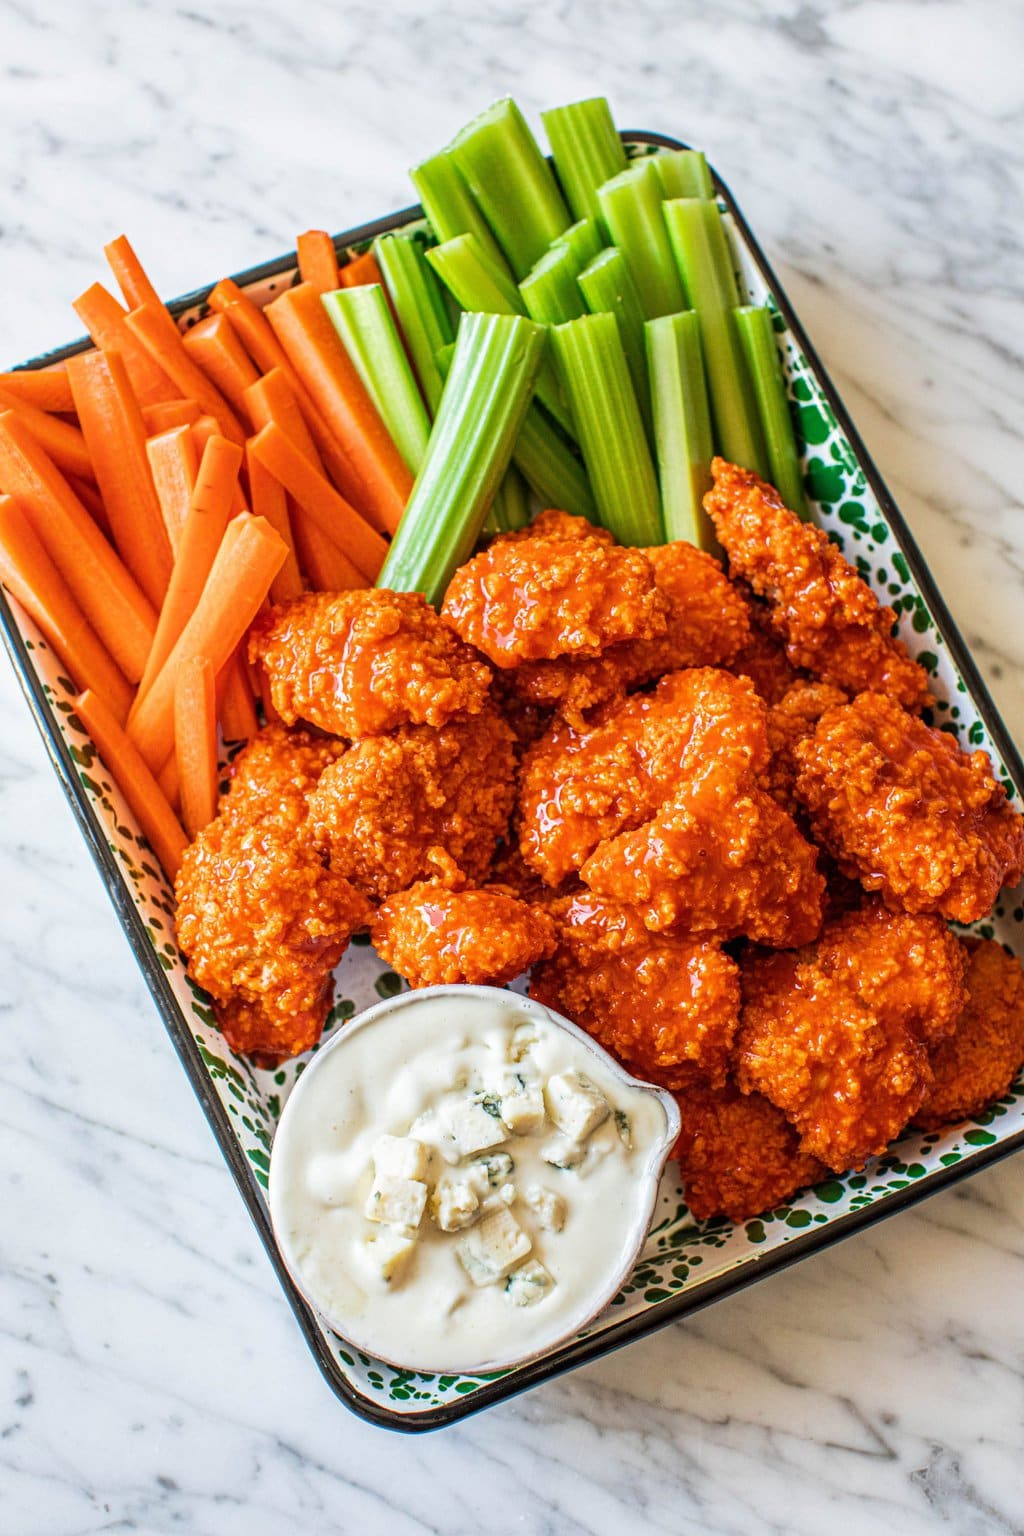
149 325
380 480
104 589
133 280
214 346
115 432
174 464
28 572
62 441
360 271
104 319
318 260
237 711
249 558
195 742
45 388
145 798
269 500
166 414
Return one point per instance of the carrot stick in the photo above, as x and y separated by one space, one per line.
195 742
237 712
270 501
250 556
270 714
46 388
215 347
166 414
272 399
62 441
360 270
133 281
208 515
116 437
174 464
316 496
167 778
202 430
148 325
145 798
27 571
380 480
104 589
255 332
92 501
318 260
104 319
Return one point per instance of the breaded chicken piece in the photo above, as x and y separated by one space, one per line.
555 524
528 721
716 861
580 786
260 920
707 625
738 1154
361 663
432 935
665 1005
790 721
539 597
831 620
905 811
379 810
835 1034
980 1059
763 658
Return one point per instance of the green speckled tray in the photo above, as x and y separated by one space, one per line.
685 1264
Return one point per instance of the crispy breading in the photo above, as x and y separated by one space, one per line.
379 810
979 1060
763 658
260 919
362 663
738 1154
790 721
432 935
906 811
667 1006
831 620
555 524
538 598
836 1034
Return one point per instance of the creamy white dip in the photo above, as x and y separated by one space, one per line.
457 1183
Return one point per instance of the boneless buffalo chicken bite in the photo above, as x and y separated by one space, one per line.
763 657
791 720
260 918
978 1061
433 935
667 1005
830 619
362 663
907 812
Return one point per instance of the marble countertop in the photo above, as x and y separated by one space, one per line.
152 1376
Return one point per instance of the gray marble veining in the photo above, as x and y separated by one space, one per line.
152 1377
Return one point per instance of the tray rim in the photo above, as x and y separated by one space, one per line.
702 1294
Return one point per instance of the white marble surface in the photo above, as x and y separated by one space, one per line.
152 1378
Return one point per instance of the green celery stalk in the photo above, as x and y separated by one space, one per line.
512 183
419 303
545 460
698 239
587 151
682 425
585 237
631 204
449 204
478 284
683 173
550 292
757 337
609 427
607 286
512 502
485 398
367 331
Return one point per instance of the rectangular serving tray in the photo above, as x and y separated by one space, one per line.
685 1265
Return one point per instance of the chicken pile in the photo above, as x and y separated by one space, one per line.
702 807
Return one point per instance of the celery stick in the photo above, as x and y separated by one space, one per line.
699 242
449 205
512 502
367 331
512 183
482 408
419 302
608 288
682 425
585 237
683 173
609 427
551 293
480 285
631 204
587 151
757 337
